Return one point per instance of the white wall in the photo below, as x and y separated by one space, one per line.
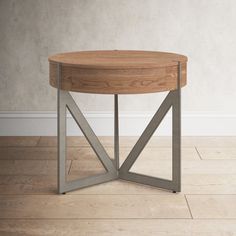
204 30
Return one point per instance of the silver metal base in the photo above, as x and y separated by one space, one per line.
113 170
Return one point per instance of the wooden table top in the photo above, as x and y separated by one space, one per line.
118 72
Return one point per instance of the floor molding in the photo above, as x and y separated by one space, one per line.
131 124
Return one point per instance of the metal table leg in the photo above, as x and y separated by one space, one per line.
172 100
113 171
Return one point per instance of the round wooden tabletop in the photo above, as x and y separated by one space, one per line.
118 72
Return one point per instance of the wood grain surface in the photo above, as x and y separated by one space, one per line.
118 72
30 205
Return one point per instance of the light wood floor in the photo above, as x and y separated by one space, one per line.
29 204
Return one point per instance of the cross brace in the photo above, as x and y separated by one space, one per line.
113 168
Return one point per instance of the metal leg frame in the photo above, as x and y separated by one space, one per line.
113 171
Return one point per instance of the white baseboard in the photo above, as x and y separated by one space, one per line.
131 124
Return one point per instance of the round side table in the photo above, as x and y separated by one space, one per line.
118 72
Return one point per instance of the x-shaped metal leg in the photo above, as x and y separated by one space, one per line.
113 171
171 100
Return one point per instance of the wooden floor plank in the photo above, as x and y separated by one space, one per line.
209 141
163 168
15 141
108 141
220 153
91 206
29 204
209 184
28 184
156 141
212 206
137 227
73 153
187 141
72 141
208 167
165 153
148 153
29 167
47 184
38 153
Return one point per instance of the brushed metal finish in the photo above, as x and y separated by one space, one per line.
65 100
